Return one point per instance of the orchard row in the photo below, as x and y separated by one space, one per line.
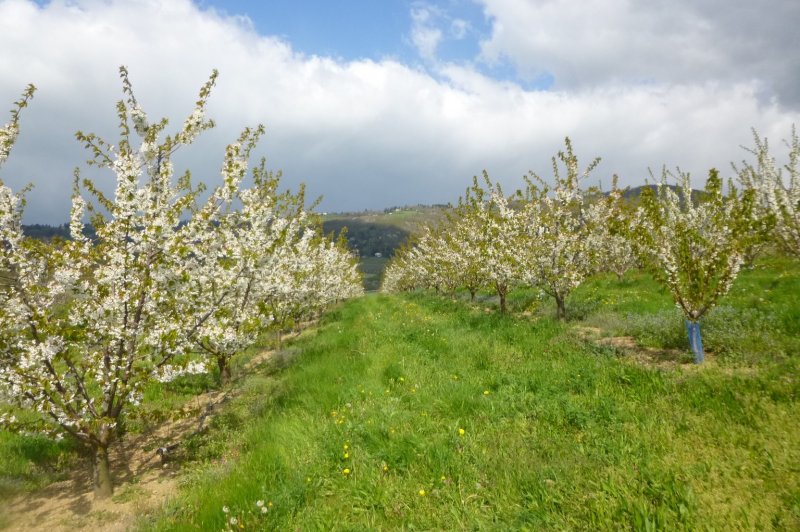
553 235
171 284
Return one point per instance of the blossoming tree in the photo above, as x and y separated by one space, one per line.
778 193
695 243
561 233
615 252
481 233
88 324
236 257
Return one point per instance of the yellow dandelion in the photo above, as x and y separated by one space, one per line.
346 471
485 392
347 455
421 493
461 432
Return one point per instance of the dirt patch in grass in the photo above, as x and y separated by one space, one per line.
659 358
647 356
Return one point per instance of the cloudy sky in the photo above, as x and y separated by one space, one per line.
380 103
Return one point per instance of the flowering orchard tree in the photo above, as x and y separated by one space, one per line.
483 235
235 258
9 132
695 244
334 276
316 272
397 274
433 262
91 322
472 249
411 267
21 265
435 259
561 232
778 199
615 253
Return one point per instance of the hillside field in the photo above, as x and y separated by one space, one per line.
422 412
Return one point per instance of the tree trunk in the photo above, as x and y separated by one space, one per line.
695 340
561 308
101 473
224 370
502 291
472 296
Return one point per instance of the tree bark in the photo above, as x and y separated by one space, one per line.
561 308
502 291
224 370
472 296
101 473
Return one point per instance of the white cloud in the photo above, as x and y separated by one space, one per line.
425 36
597 42
364 134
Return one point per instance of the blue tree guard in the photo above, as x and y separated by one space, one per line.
695 340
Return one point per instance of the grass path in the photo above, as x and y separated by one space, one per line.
420 413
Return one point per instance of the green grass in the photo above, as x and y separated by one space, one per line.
29 462
558 433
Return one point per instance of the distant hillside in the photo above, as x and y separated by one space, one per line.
408 218
368 239
633 194
49 232
370 232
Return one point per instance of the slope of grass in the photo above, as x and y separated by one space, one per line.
421 413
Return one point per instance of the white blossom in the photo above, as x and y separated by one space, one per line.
778 191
